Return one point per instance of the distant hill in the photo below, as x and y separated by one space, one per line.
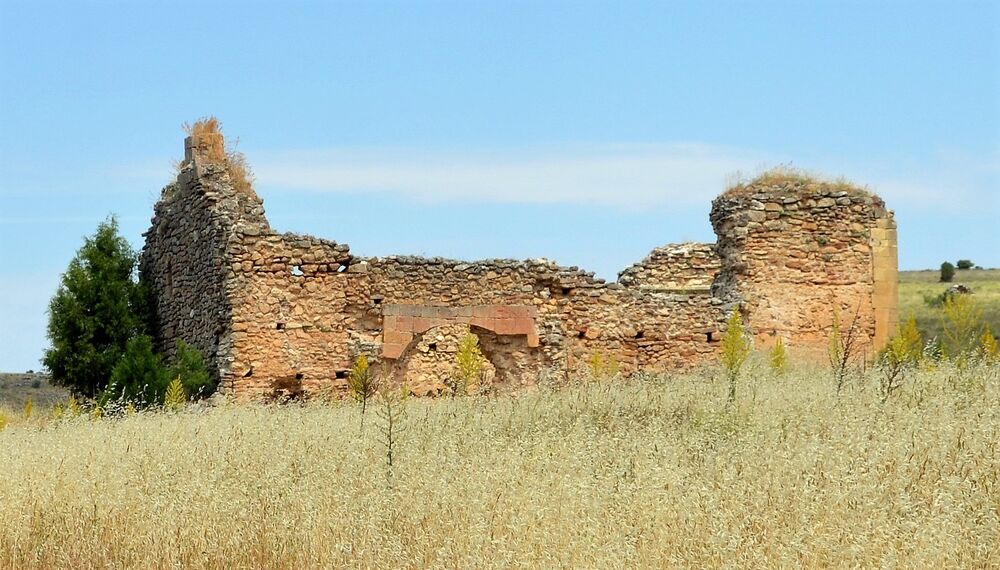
16 389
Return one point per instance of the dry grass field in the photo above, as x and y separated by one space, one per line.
646 473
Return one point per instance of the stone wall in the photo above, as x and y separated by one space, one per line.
196 223
305 330
799 254
674 267
283 315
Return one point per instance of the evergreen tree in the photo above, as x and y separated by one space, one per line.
97 309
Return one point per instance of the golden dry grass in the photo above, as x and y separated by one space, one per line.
203 126
654 473
792 179
236 162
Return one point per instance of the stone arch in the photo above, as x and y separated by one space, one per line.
516 362
427 363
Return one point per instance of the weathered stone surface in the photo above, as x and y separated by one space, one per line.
287 314
839 261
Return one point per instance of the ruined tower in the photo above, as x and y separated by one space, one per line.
799 253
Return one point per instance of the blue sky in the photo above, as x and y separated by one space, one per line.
584 132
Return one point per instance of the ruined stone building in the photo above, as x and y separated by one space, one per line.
285 313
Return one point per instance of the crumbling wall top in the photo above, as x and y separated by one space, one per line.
681 267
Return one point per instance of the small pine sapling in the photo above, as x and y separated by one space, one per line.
777 357
174 398
912 340
73 407
468 364
362 384
960 324
735 350
601 367
988 348
392 414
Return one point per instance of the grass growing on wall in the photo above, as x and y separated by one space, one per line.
647 473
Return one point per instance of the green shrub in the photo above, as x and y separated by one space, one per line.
140 376
965 264
947 272
189 366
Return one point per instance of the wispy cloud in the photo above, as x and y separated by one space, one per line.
614 175
676 175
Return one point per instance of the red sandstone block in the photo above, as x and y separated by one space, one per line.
402 323
391 322
392 351
505 312
524 325
396 337
484 322
421 324
443 313
533 340
505 326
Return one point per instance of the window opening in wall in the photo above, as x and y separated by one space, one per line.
342 268
248 373
566 290
280 326
433 346
341 374
708 337
581 334
640 334
299 376
377 300
297 270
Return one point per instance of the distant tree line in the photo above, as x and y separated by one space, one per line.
948 270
